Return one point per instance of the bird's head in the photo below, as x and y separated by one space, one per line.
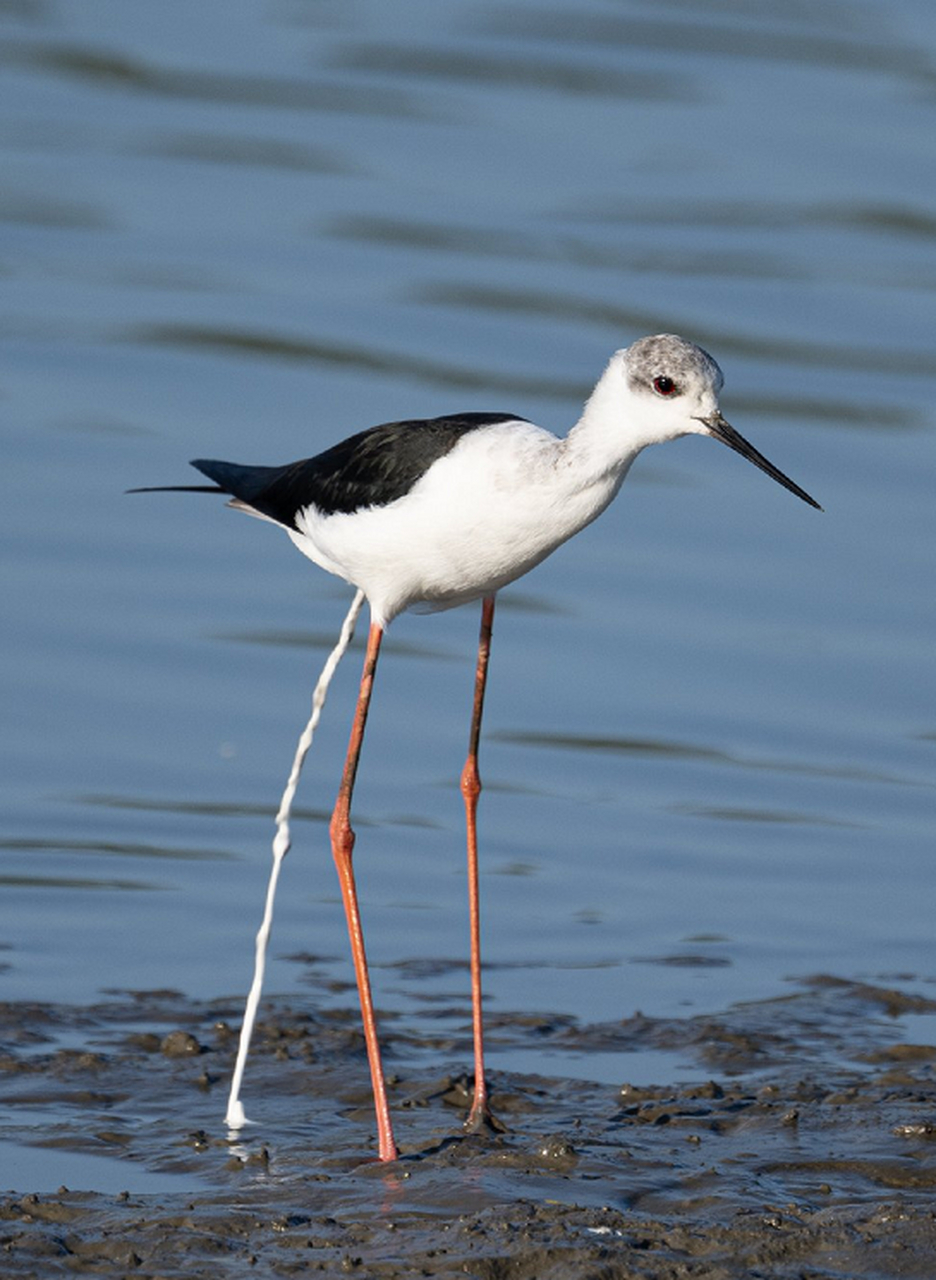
673 387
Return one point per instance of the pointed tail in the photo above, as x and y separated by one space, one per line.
178 488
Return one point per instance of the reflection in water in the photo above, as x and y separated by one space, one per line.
318 640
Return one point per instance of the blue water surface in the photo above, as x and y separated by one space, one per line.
247 228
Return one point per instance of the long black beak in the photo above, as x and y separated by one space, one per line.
725 432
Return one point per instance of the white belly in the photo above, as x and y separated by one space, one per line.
481 517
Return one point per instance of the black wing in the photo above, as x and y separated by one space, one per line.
372 468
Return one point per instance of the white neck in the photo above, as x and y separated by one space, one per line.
607 437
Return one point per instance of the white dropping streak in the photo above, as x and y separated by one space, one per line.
235 1118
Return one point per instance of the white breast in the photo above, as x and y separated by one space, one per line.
483 515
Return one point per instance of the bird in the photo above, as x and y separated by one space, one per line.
428 514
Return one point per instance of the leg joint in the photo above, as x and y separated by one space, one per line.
471 779
342 837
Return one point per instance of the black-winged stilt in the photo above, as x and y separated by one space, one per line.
432 513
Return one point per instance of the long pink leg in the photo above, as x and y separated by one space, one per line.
342 841
471 789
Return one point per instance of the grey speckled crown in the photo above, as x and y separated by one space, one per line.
672 356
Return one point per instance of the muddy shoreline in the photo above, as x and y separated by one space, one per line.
804 1144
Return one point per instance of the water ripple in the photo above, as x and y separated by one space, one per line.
50 844
660 748
770 43
388 364
125 73
526 72
920 363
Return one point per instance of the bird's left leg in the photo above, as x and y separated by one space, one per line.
471 788
342 838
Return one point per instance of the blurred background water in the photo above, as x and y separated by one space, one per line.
248 228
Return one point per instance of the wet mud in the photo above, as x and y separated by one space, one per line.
800 1142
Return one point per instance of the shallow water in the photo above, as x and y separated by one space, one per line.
246 230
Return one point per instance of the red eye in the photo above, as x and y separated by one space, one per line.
664 386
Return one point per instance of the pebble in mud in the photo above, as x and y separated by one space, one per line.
180 1044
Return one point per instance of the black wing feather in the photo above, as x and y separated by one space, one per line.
372 468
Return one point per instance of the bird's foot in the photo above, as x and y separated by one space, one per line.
481 1119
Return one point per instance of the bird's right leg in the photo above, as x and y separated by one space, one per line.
480 1113
342 841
